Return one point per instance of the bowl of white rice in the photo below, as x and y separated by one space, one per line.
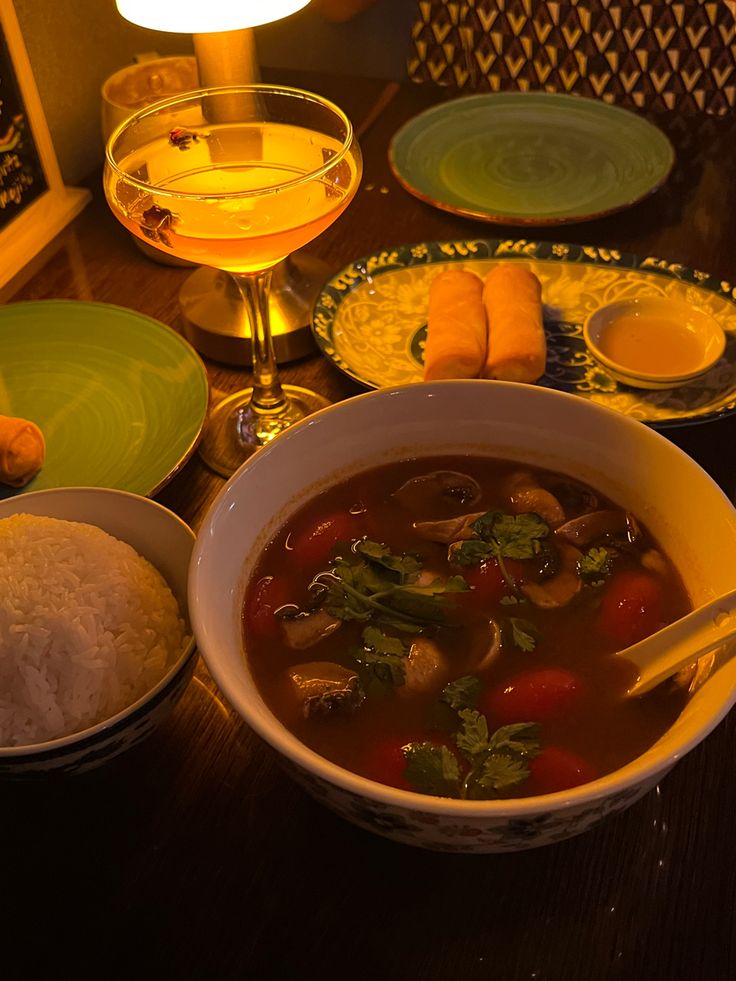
95 643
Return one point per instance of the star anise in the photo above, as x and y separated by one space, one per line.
155 222
182 138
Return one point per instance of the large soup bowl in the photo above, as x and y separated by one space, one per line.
633 465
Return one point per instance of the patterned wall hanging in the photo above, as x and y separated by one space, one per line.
660 54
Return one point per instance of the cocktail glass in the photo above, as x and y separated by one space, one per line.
237 178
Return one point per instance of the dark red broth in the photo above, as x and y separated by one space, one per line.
503 688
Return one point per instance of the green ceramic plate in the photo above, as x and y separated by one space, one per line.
371 318
530 158
120 398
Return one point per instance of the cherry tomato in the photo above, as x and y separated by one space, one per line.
313 546
631 607
385 763
532 696
559 769
268 595
487 582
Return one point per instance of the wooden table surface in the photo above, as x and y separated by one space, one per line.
194 856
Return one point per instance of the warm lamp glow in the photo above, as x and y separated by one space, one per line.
203 16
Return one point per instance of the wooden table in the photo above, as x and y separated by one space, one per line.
195 857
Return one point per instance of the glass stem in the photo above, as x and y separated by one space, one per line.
268 395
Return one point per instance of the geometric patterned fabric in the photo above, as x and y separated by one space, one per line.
653 54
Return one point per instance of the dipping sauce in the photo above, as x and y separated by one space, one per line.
651 345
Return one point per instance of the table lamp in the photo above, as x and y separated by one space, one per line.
214 320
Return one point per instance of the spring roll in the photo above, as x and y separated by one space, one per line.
456 327
22 451
517 348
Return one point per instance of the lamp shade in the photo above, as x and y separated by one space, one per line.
205 16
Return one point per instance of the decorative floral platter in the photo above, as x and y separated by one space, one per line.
370 319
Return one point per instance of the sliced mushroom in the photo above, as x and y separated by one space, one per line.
439 487
323 687
654 561
425 667
598 525
308 629
452 530
562 587
526 495
494 647
574 497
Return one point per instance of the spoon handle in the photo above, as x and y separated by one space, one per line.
682 642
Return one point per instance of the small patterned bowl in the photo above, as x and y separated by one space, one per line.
167 542
628 462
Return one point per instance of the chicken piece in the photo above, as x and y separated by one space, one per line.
322 688
425 667
308 629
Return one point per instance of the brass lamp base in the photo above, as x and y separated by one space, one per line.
216 323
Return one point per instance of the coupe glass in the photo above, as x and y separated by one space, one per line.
237 178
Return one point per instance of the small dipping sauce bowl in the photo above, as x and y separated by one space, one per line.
653 341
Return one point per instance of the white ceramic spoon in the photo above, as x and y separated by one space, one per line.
681 643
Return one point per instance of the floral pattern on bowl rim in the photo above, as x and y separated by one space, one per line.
425 829
130 729
370 318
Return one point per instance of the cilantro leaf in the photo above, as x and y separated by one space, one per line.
595 565
473 738
502 536
376 640
471 552
432 769
521 737
461 693
383 656
512 536
389 669
524 634
405 567
497 761
375 585
499 771
422 607
456 584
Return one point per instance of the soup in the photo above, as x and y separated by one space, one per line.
446 625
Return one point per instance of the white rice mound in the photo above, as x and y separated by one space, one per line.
87 626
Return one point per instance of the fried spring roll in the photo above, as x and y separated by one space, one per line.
517 349
456 327
22 451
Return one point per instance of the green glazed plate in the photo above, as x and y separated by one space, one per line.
530 158
371 318
120 398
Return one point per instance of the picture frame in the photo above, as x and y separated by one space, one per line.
34 202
